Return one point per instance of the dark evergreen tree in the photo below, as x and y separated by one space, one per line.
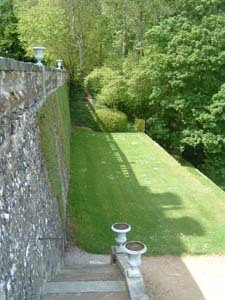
10 45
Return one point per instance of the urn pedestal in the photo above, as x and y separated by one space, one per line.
134 251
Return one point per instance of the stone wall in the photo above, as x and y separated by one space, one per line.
31 230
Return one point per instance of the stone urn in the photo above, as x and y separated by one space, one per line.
39 54
59 63
120 230
134 251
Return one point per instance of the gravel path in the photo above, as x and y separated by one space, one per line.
185 278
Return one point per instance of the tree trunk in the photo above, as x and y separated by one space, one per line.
124 29
81 52
140 31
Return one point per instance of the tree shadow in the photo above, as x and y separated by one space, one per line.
165 233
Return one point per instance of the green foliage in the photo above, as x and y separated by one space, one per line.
109 88
87 34
38 26
10 45
115 94
214 139
54 134
111 121
99 77
63 27
183 83
197 9
140 83
139 124
128 21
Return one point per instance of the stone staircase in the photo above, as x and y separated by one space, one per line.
87 277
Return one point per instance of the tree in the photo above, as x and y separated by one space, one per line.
83 15
129 20
191 73
43 24
178 85
213 121
64 29
10 45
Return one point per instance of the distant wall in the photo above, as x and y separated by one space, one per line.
34 149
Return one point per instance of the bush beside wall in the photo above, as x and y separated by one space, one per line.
111 121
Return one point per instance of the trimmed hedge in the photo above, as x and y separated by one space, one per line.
111 120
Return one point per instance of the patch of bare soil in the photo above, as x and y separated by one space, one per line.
185 278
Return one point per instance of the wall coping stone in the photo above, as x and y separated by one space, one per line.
8 64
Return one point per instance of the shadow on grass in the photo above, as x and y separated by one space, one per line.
81 111
129 200
148 210
101 195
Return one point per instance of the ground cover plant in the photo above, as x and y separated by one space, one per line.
127 177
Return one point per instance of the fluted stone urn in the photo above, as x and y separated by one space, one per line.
120 230
39 54
134 251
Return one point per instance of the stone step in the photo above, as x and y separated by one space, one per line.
76 257
89 296
89 272
87 277
67 287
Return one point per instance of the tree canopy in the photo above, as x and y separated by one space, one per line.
10 45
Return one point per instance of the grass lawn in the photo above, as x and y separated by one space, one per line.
127 177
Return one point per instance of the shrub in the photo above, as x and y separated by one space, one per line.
98 78
139 124
115 95
111 121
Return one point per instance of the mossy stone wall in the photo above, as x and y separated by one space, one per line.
34 173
